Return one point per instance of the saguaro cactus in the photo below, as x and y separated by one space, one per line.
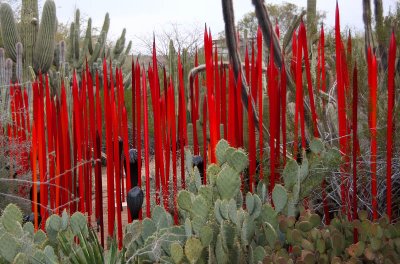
18 67
2 68
38 42
77 53
44 47
29 29
9 30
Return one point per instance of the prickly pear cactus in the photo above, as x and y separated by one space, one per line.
220 225
20 243
214 226
17 240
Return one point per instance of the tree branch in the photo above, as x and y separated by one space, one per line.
230 33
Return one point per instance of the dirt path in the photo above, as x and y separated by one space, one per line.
124 213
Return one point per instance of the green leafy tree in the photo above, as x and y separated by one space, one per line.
392 21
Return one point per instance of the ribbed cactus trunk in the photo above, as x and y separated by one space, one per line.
311 20
367 24
9 30
379 22
18 66
28 30
44 48
3 92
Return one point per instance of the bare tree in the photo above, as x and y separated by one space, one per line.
182 36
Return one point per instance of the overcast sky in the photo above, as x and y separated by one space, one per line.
142 17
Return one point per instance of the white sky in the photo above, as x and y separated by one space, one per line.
143 17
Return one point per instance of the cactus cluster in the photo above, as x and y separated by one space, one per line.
378 242
79 52
38 39
19 243
6 67
215 227
65 239
220 225
82 49
300 179
32 48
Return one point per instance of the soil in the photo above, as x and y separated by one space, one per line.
124 213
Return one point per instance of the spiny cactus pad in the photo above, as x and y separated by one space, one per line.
176 252
53 226
207 193
257 207
217 211
212 172
160 217
317 146
228 232
220 151
188 227
228 182
51 256
248 229
304 169
39 237
64 220
250 204
238 160
148 228
224 209
232 211
29 229
9 247
305 226
279 197
357 249
221 255
270 234
54 223
184 200
197 223
12 219
193 249
21 258
200 207
268 214
259 254
79 224
290 173
206 236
